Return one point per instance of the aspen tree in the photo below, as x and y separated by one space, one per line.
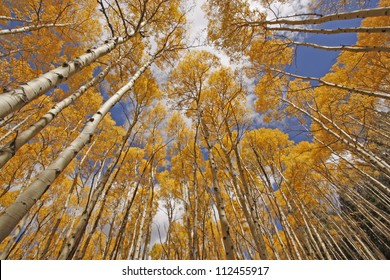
9 149
15 99
189 90
39 186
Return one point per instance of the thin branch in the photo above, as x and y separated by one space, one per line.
352 89
380 29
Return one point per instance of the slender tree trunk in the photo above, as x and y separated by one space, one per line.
14 213
243 199
346 88
15 99
13 129
376 12
32 28
75 238
8 150
14 19
58 220
343 48
220 204
344 137
368 30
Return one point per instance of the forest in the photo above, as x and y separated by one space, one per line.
194 130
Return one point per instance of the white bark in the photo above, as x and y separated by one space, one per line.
32 28
344 137
8 150
13 129
379 184
16 211
220 203
344 48
377 12
14 19
361 91
15 99
380 29
354 143
9 53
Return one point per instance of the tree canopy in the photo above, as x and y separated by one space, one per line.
123 137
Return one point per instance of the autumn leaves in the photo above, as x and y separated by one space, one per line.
76 185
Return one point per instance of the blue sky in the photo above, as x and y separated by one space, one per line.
316 63
307 62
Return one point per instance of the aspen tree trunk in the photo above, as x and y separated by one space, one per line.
343 48
252 219
65 207
306 228
354 231
220 204
112 225
19 230
32 28
349 229
352 89
187 210
130 254
268 230
263 253
23 224
276 207
195 242
58 220
353 143
240 225
378 184
19 233
290 234
80 254
140 235
152 179
375 12
362 205
13 129
14 213
305 216
8 150
272 202
76 235
147 238
137 250
75 238
368 30
17 98
129 204
123 224
65 234
348 140
256 235
14 19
